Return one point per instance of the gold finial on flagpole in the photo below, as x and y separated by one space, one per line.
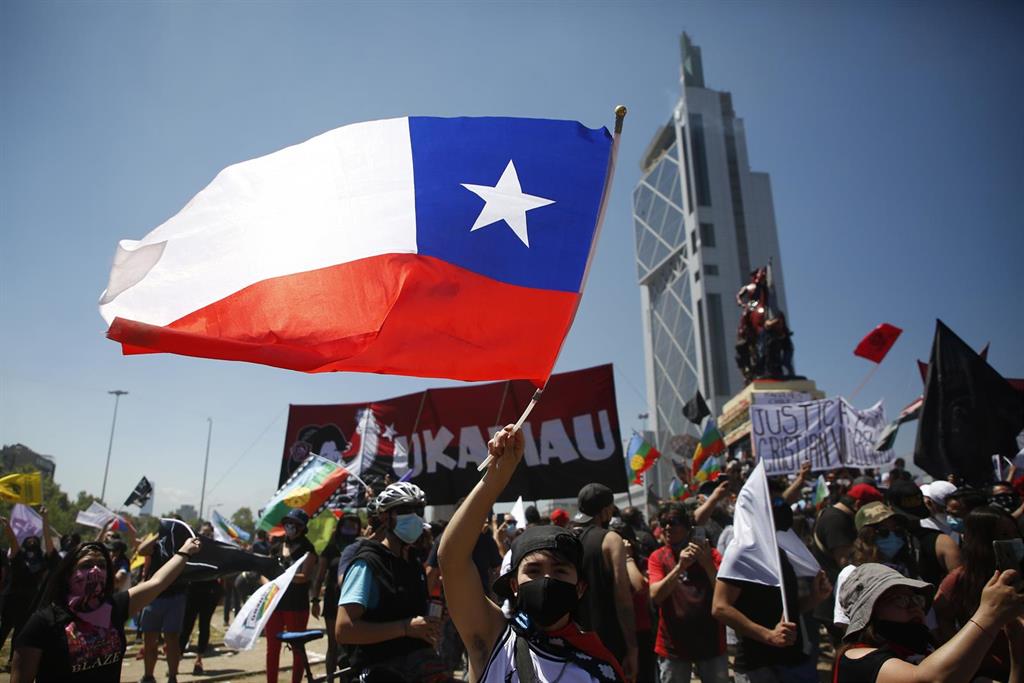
620 114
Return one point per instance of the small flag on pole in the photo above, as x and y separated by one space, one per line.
710 470
140 495
887 437
877 343
641 456
711 443
820 492
225 531
308 489
696 409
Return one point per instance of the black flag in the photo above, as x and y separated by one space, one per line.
143 490
214 559
970 413
696 409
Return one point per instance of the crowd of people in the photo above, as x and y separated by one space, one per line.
885 579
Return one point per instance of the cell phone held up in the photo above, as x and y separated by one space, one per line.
1010 555
700 534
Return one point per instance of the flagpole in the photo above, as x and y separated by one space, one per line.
620 115
775 546
206 464
863 382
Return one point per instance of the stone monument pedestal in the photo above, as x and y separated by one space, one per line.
734 422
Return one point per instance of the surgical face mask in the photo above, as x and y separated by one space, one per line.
955 523
546 600
890 545
409 527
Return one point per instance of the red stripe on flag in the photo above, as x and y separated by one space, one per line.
401 314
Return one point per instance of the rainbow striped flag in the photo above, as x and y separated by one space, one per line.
711 443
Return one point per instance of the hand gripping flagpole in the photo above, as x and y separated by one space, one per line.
620 115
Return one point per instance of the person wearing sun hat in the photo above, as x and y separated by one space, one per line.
542 581
881 538
887 640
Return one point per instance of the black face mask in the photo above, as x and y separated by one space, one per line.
1007 501
913 636
546 600
783 516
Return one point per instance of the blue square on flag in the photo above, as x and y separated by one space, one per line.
515 200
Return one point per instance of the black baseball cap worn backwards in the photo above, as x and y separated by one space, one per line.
553 539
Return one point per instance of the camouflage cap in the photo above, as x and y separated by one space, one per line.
872 513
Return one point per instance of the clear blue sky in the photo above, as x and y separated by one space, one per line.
892 132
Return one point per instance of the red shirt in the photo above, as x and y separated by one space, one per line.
686 629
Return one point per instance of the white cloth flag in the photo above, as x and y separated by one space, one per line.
804 564
753 554
25 522
519 513
95 516
249 622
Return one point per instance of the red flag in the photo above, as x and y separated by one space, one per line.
878 342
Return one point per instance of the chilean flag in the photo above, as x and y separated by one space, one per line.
414 246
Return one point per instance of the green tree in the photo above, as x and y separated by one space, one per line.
243 519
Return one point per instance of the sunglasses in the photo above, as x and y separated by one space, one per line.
409 510
905 600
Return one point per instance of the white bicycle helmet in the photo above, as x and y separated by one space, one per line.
398 494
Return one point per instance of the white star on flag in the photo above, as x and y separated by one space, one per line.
506 201
390 432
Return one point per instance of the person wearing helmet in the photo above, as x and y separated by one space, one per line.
382 609
292 612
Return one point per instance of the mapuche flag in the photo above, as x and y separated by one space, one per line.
308 489
375 247
641 456
970 413
711 443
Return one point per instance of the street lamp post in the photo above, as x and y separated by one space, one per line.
206 462
118 393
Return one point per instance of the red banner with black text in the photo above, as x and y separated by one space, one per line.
436 438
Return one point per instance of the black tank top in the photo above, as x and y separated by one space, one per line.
596 609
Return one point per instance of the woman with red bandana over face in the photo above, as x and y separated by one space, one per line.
81 625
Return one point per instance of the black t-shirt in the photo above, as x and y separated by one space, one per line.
833 529
763 605
296 598
75 651
27 573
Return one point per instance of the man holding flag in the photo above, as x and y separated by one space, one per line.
756 592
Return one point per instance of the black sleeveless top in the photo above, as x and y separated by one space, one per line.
863 670
403 595
296 598
596 609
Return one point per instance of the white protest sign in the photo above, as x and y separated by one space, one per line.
829 432
25 522
764 398
95 516
249 622
862 429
